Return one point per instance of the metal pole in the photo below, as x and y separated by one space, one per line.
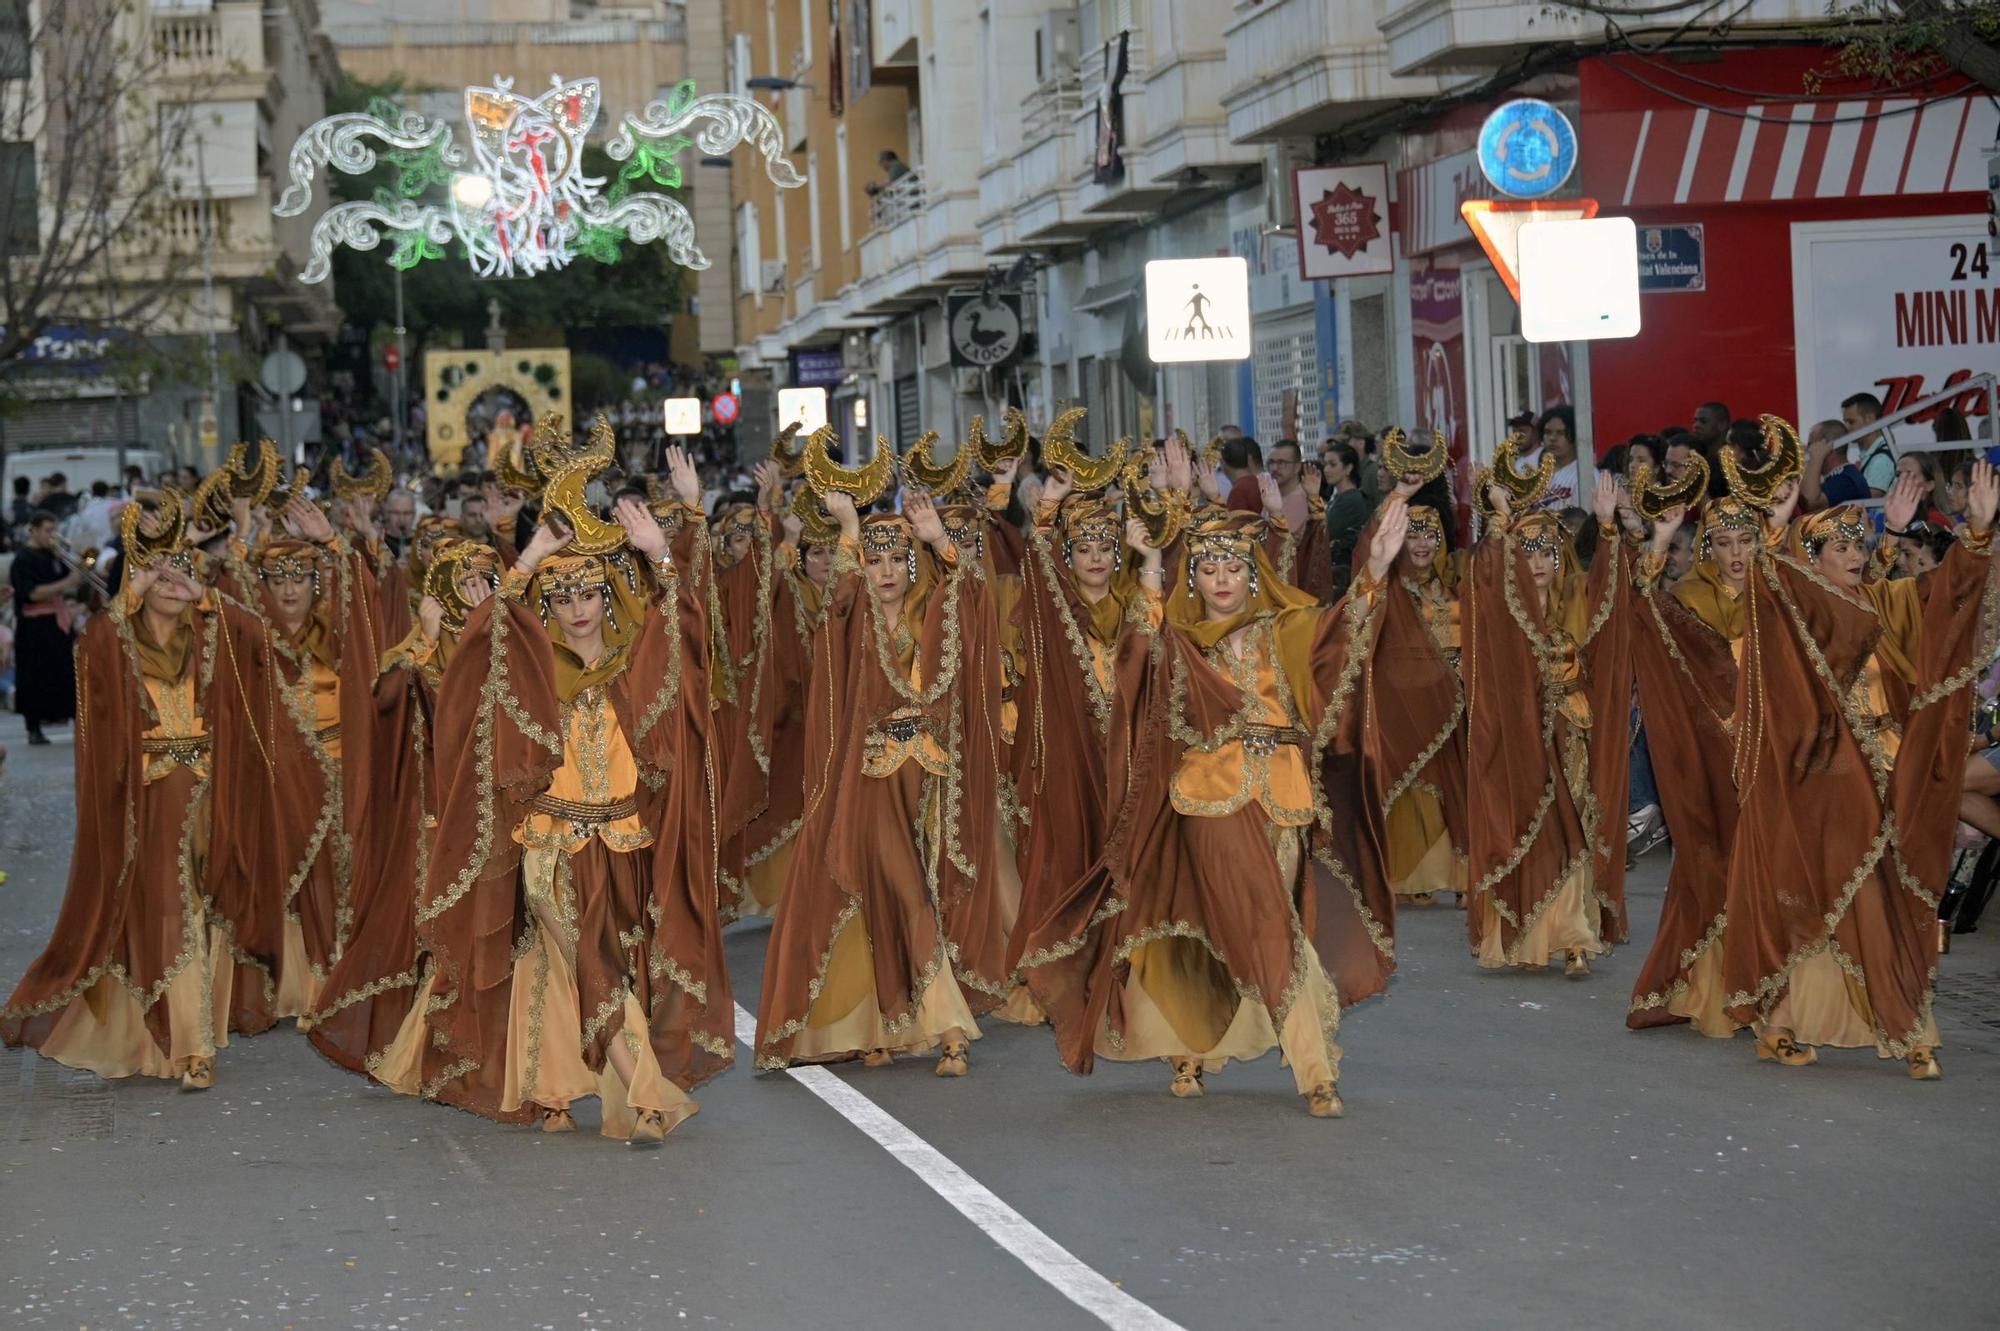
396 380
208 274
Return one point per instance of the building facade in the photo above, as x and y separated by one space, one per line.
1803 236
230 83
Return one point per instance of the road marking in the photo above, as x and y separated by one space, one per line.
1055 1264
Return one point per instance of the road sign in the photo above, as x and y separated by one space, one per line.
392 359
984 331
1579 279
1197 309
804 407
683 415
1671 258
282 373
1497 223
726 407
1527 148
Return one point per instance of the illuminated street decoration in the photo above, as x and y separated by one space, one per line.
521 203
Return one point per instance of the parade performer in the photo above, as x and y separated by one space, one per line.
368 997
1548 688
1851 732
569 907
888 935
1685 649
172 783
1217 923
317 597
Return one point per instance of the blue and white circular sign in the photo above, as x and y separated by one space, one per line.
1527 148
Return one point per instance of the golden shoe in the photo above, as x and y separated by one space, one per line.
558 1120
1577 966
1325 1102
877 1058
1779 1047
1924 1065
953 1062
199 1074
651 1128
1187 1080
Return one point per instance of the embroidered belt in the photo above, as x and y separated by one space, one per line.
576 811
331 732
903 729
183 749
1267 740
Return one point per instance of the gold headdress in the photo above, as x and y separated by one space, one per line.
1210 453
1424 518
1013 442
1089 518
209 507
1540 532
168 538
1522 487
864 484
288 557
923 472
1399 462
254 478
455 562
1225 535
791 461
372 483
1086 473
735 518
1784 460
1729 512
571 573
519 477
1846 522
280 497
563 495
816 525
1656 501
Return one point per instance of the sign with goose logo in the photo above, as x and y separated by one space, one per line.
985 330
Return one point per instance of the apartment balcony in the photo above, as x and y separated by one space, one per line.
1302 67
894 37
219 52
922 242
1479 36
1190 129
1028 199
1134 193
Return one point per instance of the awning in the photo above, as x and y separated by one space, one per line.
1106 294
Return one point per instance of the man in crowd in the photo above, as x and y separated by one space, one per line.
1242 460
1557 430
56 499
44 669
1287 469
1877 457
399 520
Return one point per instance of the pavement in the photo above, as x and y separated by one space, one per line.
1512 1156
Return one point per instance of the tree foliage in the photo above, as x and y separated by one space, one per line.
1895 43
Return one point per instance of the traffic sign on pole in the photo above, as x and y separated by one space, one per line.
725 407
1496 224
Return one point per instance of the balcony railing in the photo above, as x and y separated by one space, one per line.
1051 107
897 201
226 40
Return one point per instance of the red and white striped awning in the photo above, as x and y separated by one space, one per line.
1794 150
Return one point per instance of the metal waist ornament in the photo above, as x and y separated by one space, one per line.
521 203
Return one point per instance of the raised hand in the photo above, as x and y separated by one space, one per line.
1982 496
1906 498
681 471
304 520
1605 502
1273 497
550 537
1664 528
840 507
1311 477
1496 495
1058 485
1141 542
1180 468
430 617
640 529
770 484
922 512
1392 527
1785 503
1004 473
476 590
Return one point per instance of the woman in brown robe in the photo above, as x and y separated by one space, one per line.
1216 924
1851 721
1426 835
888 937
1548 687
570 903
369 995
1685 648
167 736
317 597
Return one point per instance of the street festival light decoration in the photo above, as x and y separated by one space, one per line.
521 203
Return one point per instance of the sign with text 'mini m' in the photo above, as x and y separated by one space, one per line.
1197 309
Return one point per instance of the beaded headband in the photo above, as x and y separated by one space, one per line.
1424 519
289 559
742 517
1088 518
1845 522
1539 533
572 573
888 533
1729 513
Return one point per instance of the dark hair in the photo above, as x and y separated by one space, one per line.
471 494
1677 437
631 490
1716 409
57 478
1928 464
1748 438
1242 454
1951 425
1938 540
1349 457
99 489
39 516
1565 414
21 485
1615 459
1867 403
1292 444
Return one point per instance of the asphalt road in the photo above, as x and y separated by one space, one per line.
1511 1156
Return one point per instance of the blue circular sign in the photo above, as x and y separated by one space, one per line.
1527 148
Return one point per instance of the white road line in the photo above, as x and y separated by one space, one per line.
1000 1222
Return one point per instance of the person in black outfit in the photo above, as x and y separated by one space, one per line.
44 667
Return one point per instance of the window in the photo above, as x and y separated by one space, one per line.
740 59
840 175
20 217
14 43
749 252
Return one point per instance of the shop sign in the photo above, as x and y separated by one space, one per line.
1672 258
1343 217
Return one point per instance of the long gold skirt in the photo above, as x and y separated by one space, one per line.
1570 921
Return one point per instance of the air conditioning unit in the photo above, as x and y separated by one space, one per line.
1057 44
771 275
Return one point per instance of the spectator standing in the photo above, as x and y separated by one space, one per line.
1242 461
1557 431
1877 456
45 669
1348 510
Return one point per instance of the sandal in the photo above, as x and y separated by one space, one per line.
1187 1079
1924 1065
1325 1102
1779 1047
650 1129
558 1120
953 1062
877 1058
199 1074
1578 966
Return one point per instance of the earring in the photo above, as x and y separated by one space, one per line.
1118 559
910 560
1066 555
610 620
1253 579
1190 578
